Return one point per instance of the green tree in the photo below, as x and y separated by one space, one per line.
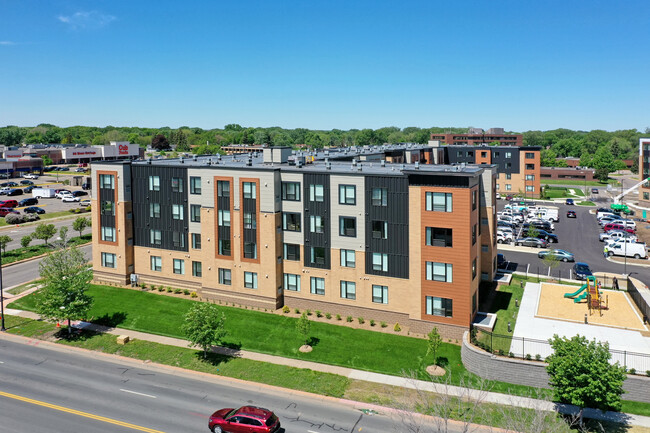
11 136
66 274
586 159
303 326
80 224
44 232
25 241
160 142
4 240
204 326
603 162
533 138
46 160
434 340
552 261
547 158
366 137
580 374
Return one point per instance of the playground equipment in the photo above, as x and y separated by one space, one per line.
580 294
591 292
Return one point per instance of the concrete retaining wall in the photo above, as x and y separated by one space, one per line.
532 373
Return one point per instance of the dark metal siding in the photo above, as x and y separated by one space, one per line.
317 208
223 203
397 216
499 158
142 197
106 194
250 235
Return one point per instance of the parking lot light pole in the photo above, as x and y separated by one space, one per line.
2 299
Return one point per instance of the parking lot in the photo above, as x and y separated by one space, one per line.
50 205
577 235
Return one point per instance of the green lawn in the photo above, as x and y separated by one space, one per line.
586 203
577 182
563 192
38 249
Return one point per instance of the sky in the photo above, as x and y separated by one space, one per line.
517 64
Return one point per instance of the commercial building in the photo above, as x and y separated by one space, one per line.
568 173
77 153
401 243
477 136
644 172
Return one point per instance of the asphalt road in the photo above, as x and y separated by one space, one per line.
16 233
95 393
579 236
15 275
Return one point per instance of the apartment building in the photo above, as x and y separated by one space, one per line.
477 136
644 172
401 243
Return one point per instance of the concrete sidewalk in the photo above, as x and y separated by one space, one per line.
490 397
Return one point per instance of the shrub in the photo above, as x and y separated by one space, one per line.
286 309
177 291
349 319
361 321
169 290
328 315
13 218
309 312
538 357
372 322
500 352
338 317
143 286
318 313
296 310
161 288
397 328
647 373
384 324
66 182
528 357
511 355
632 371
194 295
31 217
186 292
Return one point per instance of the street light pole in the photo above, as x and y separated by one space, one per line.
2 299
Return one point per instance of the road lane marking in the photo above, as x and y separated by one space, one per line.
138 393
78 412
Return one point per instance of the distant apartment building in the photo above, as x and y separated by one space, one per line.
644 171
477 136
401 243
558 173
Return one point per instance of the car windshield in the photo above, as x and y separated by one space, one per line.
582 268
272 419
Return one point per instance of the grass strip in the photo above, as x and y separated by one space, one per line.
47 216
18 254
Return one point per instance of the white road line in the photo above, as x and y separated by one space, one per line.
138 393
1 362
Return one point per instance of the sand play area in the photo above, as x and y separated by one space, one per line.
622 313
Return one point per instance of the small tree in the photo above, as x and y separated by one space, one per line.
4 240
44 232
532 231
552 261
433 343
80 224
25 241
580 374
65 274
303 326
204 326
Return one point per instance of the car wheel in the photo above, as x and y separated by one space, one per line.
565 259
499 241
610 253
517 244
217 429
636 256
539 245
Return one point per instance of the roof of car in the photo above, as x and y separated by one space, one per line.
254 411
581 264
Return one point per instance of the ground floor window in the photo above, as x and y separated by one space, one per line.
225 276
108 260
439 306
179 266
292 282
250 280
156 263
348 290
197 269
379 294
317 286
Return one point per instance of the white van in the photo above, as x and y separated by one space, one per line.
637 250
628 223
601 214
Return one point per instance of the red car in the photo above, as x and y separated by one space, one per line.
614 226
249 419
571 214
9 203
6 211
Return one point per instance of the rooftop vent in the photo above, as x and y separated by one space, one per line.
194 157
181 160
148 160
417 165
359 167
249 162
383 163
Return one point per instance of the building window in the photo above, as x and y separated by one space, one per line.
155 237
483 154
508 176
177 212
439 201
108 234
196 241
106 181
108 260
380 196
225 276
348 290
474 199
223 218
177 184
497 154
195 185
530 188
292 282
379 294
108 208
530 155
439 237
439 306
317 286
317 256
530 166
439 272
250 191
348 226
197 269
380 229
156 263
154 183
508 155
646 196
484 221
380 262
292 252
530 177
316 224
497 187
250 280
316 193
508 187
154 210
291 221
348 258
485 248
179 266
347 194
474 269
250 250
224 247
195 213
291 191
223 188
178 239
508 165
474 234
250 221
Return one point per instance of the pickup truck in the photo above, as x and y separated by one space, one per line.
31 176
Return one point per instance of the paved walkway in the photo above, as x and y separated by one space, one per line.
491 397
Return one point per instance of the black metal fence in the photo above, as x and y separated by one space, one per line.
639 300
538 350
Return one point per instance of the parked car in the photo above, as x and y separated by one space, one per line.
5 176
9 203
80 170
615 234
69 198
548 237
26 182
58 193
571 214
531 242
637 250
5 211
607 220
34 209
5 190
498 196
502 263
79 193
594 190
505 224
563 255
64 169
509 197
29 189
616 226
245 419
504 237
539 225
581 271
31 176
15 191
10 184
569 201
84 202
85 186
28 202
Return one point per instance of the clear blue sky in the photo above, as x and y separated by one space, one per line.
515 64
